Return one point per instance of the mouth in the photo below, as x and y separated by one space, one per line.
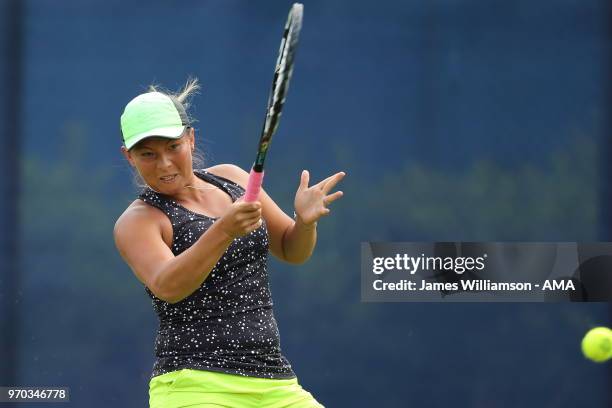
168 179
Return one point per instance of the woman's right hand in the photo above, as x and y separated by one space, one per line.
241 218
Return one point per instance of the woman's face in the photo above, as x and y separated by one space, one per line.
164 164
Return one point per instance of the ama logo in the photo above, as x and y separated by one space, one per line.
562 284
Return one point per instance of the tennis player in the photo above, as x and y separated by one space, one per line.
201 253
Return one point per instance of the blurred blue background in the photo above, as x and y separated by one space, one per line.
454 120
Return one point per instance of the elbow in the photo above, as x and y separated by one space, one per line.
173 300
164 291
297 261
164 294
168 296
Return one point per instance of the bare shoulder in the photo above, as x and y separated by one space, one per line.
138 213
143 237
230 172
137 209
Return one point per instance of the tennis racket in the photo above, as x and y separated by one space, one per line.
276 100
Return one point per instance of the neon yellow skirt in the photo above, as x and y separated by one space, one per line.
199 389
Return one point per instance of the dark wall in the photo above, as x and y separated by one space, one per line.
455 120
10 128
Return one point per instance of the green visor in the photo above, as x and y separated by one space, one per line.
152 114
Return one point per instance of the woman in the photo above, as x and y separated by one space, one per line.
201 252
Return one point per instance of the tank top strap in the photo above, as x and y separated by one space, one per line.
173 209
164 203
234 190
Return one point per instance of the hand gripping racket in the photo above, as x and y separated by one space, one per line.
276 100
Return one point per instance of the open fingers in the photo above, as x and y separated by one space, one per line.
331 181
332 197
323 183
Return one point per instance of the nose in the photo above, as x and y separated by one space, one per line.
164 162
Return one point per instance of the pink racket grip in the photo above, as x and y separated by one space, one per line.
254 186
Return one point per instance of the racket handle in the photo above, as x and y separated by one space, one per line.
254 185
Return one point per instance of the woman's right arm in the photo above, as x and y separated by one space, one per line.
138 237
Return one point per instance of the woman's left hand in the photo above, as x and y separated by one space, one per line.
311 202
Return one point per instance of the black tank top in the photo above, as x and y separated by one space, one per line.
227 324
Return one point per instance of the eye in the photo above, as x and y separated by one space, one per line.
146 155
175 146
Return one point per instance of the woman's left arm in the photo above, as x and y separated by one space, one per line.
292 241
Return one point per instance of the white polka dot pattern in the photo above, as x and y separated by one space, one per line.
227 324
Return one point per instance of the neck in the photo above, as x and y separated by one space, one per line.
192 189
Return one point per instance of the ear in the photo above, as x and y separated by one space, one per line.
128 156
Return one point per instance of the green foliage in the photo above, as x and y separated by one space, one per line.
74 279
552 200
80 301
